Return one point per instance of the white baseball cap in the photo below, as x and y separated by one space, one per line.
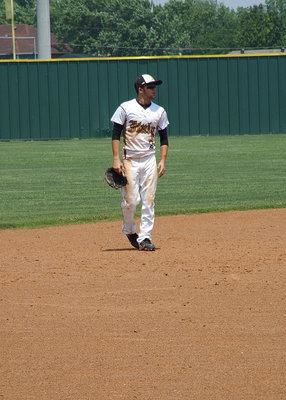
146 79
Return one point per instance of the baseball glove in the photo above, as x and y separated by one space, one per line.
114 179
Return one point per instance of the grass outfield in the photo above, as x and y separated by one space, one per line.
61 182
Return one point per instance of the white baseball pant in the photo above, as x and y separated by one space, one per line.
141 174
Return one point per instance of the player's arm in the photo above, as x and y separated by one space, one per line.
164 147
117 164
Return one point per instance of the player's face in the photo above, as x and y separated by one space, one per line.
150 91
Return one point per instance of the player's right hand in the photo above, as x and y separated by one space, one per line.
117 166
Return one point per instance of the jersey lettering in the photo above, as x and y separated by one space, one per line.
138 127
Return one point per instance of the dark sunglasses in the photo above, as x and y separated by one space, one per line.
150 86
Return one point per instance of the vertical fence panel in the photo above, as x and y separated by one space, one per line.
203 97
63 74
273 84
113 93
54 90
46 110
93 100
233 96
243 96
183 95
125 83
282 94
263 98
132 73
214 114
24 109
14 101
193 89
212 95
254 96
163 91
33 98
103 110
73 100
223 92
5 129
83 100
174 109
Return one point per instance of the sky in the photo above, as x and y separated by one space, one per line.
228 3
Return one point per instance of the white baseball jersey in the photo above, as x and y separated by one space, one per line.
140 126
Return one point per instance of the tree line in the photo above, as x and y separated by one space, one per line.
138 27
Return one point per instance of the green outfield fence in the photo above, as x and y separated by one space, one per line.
207 95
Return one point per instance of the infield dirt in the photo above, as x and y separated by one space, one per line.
86 317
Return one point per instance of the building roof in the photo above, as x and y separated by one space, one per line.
257 51
26 41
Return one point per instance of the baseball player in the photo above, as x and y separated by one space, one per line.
139 119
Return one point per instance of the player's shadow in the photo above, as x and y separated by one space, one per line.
122 249
128 249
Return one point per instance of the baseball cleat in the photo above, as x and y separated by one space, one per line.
132 237
146 245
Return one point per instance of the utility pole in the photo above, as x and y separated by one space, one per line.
43 29
10 16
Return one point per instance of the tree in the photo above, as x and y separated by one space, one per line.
195 24
137 27
24 12
168 35
257 29
276 10
100 27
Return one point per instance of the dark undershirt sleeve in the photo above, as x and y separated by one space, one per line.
117 129
163 137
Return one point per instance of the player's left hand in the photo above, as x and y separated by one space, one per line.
161 168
